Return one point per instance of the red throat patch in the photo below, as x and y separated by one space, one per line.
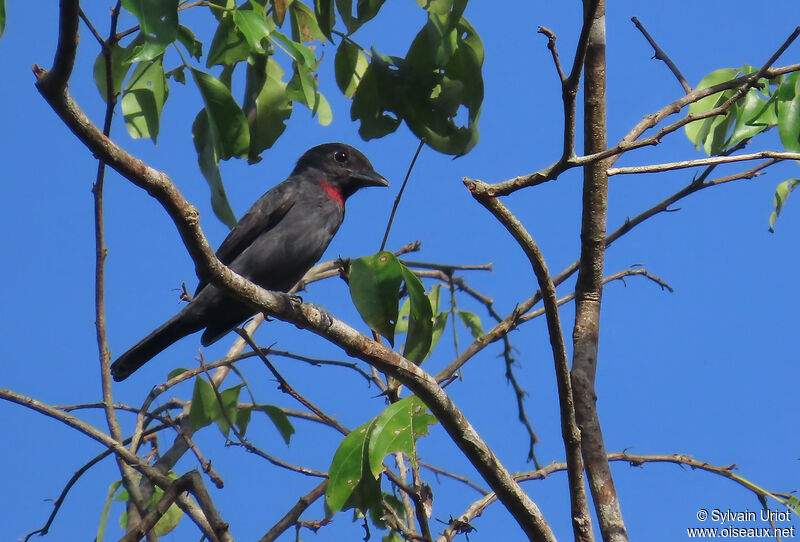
334 192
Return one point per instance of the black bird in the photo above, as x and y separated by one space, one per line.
281 237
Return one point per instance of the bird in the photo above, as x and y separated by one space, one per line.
275 243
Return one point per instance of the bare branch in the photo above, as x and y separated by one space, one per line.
478 507
400 194
192 482
659 54
620 275
75 477
291 517
569 427
161 480
710 161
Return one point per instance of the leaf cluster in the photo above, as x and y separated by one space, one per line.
771 103
437 89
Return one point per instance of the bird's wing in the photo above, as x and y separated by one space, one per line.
265 213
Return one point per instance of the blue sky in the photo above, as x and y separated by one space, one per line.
709 370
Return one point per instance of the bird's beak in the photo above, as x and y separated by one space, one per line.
370 178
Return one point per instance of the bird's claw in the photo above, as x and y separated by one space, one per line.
292 300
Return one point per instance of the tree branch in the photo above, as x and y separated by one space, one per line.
635 460
161 480
569 428
589 289
291 517
710 161
659 54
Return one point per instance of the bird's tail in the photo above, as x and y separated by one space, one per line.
170 331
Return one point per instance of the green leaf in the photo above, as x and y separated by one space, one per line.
717 140
326 16
303 55
228 46
305 27
789 115
205 407
242 420
368 9
365 10
374 287
350 64
396 429
208 160
472 322
440 7
793 503
323 110
266 104
698 131
229 399
439 324
158 23
280 420
379 102
255 28
346 468
439 320
143 99
227 123
747 112
2 17
303 87
178 75
112 489
192 44
393 536
781 194
381 513
175 372
119 69
220 8
439 83
420 322
456 82
345 9
171 517
356 465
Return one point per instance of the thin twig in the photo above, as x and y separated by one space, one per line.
74 478
448 267
620 275
400 194
631 141
458 477
479 506
285 387
710 161
291 517
659 54
161 480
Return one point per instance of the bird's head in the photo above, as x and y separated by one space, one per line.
345 168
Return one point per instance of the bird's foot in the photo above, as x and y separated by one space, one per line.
293 300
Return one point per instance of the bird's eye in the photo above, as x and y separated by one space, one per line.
340 157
